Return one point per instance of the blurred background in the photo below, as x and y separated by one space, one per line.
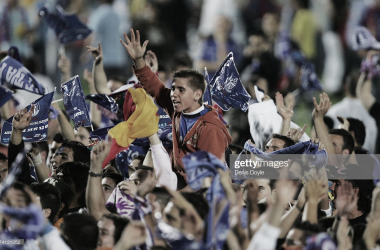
199 34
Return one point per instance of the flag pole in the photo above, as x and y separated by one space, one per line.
59 100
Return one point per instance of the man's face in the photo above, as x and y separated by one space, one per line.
274 145
82 135
337 141
106 233
3 170
62 156
293 240
53 148
264 189
108 186
171 215
114 85
183 97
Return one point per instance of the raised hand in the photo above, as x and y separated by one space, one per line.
296 133
345 124
316 190
147 185
321 109
99 153
345 201
64 65
285 191
97 53
133 46
133 235
22 119
285 113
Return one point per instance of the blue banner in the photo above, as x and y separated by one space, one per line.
5 95
226 88
37 130
207 99
67 27
103 100
200 165
16 75
75 105
100 134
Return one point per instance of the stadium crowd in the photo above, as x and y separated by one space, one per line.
160 171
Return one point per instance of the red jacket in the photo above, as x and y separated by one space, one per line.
208 133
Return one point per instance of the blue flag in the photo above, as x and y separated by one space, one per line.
67 27
164 133
16 75
207 99
5 95
103 100
37 130
122 163
200 165
226 88
100 134
75 105
309 79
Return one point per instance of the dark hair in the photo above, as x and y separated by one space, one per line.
114 176
118 78
348 140
358 128
236 148
58 137
351 82
288 141
44 146
199 203
143 167
3 157
365 194
162 196
329 122
195 79
119 222
272 184
80 151
76 173
81 230
49 196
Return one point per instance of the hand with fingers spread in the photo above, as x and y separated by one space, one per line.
296 133
345 201
133 46
97 53
22 119
345 124
151 61
285 113
321 109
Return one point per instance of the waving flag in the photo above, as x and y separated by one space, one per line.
5 95
309 79
37 130
226 88
75 105
67 27
16 75
103 100
200 165
207 99
100 134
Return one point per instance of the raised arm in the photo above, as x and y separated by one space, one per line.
66 128
98 73
95 114
147 78
319 112
64 66
95 202
285 113
364 91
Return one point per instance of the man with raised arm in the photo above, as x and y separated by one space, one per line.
196 126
